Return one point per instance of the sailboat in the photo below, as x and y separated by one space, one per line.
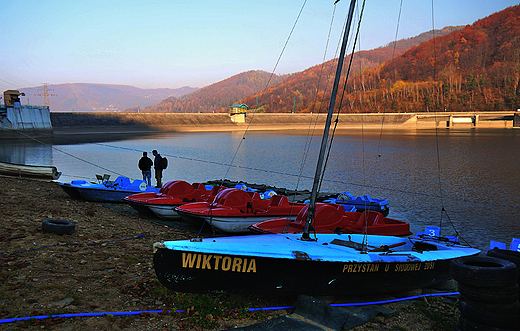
325 264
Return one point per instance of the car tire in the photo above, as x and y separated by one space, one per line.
58 226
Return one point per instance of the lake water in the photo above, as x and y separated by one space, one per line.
472 174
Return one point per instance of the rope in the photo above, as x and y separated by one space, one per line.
75 157
335 181
88 244
128 313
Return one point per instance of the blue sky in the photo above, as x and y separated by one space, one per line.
175 43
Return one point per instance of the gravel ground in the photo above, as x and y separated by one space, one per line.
106 266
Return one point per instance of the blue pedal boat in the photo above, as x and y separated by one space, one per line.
361 203
106 191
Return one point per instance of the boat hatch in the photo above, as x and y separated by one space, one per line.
299 255
421 246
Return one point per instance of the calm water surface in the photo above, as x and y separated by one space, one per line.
473 174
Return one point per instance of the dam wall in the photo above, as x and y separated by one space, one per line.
130 123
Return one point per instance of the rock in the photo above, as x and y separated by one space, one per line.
62 303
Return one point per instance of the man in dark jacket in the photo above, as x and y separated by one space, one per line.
158 168
145 165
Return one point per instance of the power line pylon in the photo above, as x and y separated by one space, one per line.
46 94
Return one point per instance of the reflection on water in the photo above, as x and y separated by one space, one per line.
30 153
472 174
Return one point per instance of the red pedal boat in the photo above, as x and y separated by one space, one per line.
171 195
234 210
331 218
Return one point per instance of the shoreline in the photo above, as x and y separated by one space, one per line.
149 123
106 266
97 127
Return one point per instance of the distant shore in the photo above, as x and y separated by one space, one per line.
152 123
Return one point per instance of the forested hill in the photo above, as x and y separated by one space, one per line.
373 58
476 68
220 96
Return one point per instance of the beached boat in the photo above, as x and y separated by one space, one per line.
332 218
234 210
277 264
106 191
173 194
326 264
361 203
29 171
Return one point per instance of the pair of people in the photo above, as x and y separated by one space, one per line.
145 165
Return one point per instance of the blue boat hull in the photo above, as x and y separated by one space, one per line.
101 195
106 191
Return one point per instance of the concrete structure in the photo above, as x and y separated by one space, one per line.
15 117
138 123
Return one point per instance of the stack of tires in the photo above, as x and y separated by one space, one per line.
489 293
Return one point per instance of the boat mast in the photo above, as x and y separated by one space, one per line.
319 166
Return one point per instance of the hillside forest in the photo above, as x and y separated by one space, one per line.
473 68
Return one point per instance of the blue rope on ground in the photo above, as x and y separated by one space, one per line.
17 319
88 244
393 300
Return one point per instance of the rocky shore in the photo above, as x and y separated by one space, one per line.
105 266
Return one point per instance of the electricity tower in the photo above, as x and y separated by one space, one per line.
46 94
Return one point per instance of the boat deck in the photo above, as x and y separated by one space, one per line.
292 195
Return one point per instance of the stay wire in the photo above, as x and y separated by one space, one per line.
68 154
342 96
335 181
272 73
386 87
254 112
318 98
439 167
276 65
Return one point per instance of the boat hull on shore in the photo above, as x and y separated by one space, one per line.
283 264
228 224
173 194
107 191
165 212
332 218
234 210
29 171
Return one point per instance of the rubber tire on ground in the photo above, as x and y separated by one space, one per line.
486 317
492 295
484 271
58 226
505 254
501 308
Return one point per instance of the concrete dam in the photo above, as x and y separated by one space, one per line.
132 123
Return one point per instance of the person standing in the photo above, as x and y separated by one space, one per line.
158 168
145 165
